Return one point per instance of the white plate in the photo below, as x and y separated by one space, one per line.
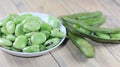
21 54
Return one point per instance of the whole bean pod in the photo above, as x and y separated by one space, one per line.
83 16
86 48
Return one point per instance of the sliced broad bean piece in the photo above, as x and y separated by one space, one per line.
7 47
57 33
29 42
26 15
51 42
31 49
42 47
14 49
21 18
47 33
45 27
19 30
38 38
18 20
20 42
4 21
29 34
54 22
10 26
3 36
4 30
10 37
12 16
5 42
31 26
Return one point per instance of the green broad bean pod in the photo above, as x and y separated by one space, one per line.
91 36
91 28
83 16
86 48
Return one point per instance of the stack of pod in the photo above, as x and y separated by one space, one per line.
87 24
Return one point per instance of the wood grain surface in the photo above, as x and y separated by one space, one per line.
66 55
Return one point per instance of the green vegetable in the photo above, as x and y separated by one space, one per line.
103 35
86 48
10 37
5 42
51 42
31 49
115 36
45 27
84 16
14 49
19 30
47 33
10 26
4 30
54 22
42 47
31 26
20 42
57 33
38 38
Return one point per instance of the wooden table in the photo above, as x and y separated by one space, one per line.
67 55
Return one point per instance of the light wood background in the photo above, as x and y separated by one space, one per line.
67 55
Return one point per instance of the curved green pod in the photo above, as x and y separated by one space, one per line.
91 36
97 21
86 48
84 16
91 28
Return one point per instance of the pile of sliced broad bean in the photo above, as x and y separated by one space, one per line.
28 33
